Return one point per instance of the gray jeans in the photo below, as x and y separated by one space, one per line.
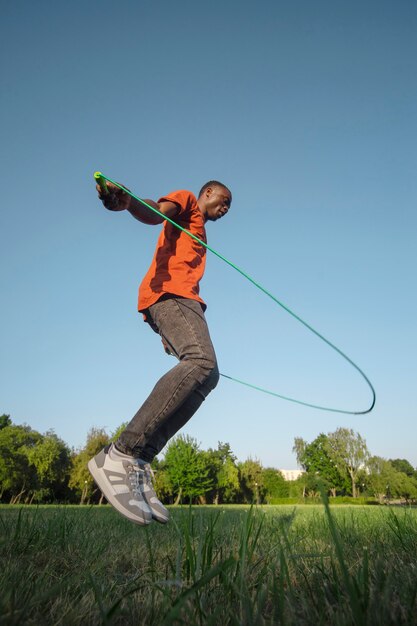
180 392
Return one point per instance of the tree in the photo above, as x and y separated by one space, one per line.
5 421
385 482
274 483
316 460
224 473
299 488
228 484
349 452
380 478
406 487
51 459
17 478
307 485
116 434
299 448
162 484
187 468
402 465
251 480
80 478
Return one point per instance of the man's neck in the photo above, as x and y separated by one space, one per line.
202 210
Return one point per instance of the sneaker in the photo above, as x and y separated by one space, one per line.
159 512
121 480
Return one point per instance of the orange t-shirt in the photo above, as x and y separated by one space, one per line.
179 261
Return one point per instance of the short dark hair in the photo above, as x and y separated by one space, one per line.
212 183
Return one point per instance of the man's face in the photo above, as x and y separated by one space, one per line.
217 202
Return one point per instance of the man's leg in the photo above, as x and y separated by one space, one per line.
123 472
180 392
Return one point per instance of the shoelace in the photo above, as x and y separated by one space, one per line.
149 471
136 473
149 475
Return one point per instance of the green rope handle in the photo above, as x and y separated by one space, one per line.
101 182
101 178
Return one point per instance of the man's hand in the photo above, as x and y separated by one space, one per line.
116 199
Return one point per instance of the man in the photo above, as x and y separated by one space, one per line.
170 302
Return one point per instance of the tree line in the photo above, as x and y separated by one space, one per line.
41 468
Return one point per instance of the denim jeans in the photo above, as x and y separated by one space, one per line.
180 392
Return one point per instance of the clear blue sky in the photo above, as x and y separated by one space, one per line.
307 111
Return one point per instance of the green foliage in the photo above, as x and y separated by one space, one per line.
385 482
337 459
402 465
349 452
41 468
187 468
116 434
317 460
275 485
299 449
252 481
224 473
5 420
162 484
340 463
51 459
297 488
80 478
33 467
17 477
228 484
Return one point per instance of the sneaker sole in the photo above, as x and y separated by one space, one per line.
159 519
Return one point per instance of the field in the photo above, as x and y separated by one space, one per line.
210 565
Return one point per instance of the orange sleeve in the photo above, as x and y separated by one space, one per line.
182 198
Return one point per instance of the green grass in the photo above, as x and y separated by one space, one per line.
289 565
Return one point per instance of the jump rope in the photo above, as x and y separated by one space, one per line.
101 180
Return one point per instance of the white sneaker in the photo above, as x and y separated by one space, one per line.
159 512
121 479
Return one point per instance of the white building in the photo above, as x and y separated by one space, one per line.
291 474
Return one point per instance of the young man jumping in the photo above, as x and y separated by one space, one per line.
170 302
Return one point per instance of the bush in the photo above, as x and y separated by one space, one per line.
337 500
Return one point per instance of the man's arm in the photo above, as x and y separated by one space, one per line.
119 200
145 215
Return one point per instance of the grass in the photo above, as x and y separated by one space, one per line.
210 565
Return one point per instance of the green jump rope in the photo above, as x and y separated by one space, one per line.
101 180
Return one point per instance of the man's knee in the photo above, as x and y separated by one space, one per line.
210 379
214 377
